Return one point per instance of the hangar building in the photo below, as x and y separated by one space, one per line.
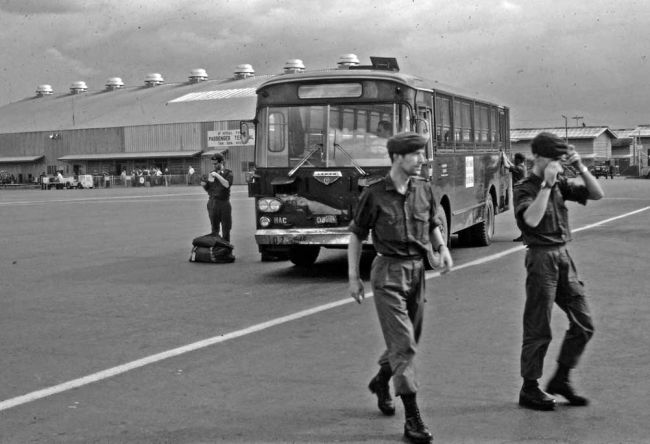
157 124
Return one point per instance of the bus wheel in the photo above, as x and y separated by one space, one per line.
444 227
483 233
304 255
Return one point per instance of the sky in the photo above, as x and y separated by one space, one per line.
543 59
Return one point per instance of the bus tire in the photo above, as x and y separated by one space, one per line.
304 255
444 227
483 232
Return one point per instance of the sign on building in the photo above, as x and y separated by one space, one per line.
221 138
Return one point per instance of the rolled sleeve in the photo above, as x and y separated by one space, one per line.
362 222
523 197
574 191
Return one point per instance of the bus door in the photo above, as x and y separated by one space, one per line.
423 128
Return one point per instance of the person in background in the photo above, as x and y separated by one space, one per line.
123 177
218 184
552 277
190 174
518 171
401 213
167 176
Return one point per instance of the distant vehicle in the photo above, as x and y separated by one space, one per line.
601 170
81 181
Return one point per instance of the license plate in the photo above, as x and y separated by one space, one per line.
327 219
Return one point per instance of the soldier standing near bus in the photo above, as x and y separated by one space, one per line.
518 171
401 213
552 277
218 184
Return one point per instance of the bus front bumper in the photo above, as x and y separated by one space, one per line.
333 237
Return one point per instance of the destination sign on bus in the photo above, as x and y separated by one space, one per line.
330 90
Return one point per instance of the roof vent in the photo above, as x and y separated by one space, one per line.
78 87
44 90
114 83
347 60
293 66
244 71
153 79
198 75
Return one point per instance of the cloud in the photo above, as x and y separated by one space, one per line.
53 56
524 53
28 7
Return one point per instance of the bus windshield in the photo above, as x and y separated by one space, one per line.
329 135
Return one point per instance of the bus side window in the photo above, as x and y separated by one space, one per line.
277 128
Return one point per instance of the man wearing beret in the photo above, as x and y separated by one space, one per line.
400 211
218 184
551 274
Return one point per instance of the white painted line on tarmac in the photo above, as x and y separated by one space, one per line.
105 198
114 371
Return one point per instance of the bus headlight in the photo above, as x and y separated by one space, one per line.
264 221
268 205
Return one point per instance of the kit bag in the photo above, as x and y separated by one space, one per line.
211 248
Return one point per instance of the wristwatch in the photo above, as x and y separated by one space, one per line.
546 186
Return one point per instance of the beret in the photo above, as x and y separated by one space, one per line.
217 157
404 143
549 145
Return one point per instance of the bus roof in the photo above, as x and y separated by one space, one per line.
412 81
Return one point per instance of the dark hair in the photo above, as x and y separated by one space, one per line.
386 125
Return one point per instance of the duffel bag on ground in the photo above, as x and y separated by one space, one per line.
211 240
214 255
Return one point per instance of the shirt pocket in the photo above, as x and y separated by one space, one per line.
421 226
390 227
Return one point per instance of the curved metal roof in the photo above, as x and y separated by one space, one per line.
211 100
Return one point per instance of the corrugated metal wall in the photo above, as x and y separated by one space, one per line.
134 139
93 141
168 137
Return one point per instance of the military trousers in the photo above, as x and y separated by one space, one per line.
220 214
552 279
399 287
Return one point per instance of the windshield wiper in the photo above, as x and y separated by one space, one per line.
354 162
305 158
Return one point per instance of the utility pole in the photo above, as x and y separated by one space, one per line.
576 118
566 129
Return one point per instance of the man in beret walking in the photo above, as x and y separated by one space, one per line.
401 212
551 274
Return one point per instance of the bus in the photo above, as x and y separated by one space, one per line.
318 144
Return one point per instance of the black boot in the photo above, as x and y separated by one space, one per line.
379 386
560 385
414 428
532 397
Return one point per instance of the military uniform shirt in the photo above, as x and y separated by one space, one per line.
216 190
401 224
553 229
